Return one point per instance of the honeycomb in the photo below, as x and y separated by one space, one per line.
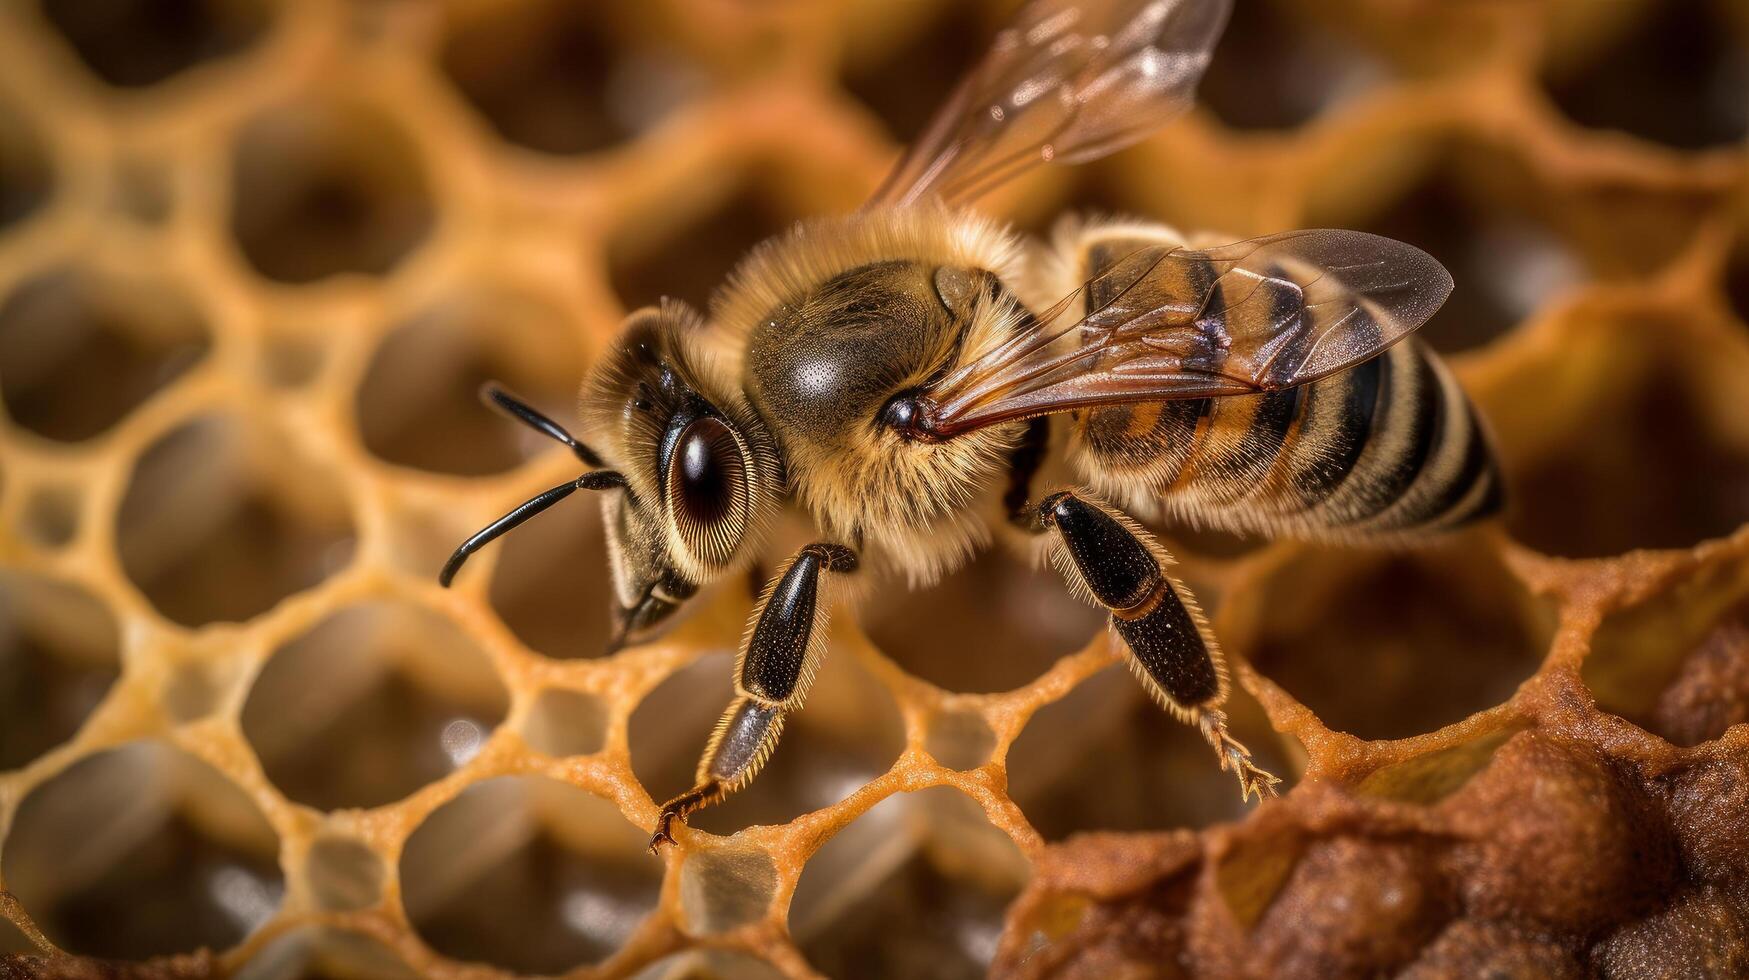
255 257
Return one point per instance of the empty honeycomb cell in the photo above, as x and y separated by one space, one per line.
1677 664
848 733
527 874
321 188
960 739
1276 68
133 43
419 404
194 690
59 654
690 258
139 190
315 953
1106 757
80 349
142 851
343 873
1737 281
726 887
372 703
993 625
1675 74
51 515
564 722
550 585
223 518
290 362
1467 211
1393 644
557 77
718 964
1646 453
26 179
915 887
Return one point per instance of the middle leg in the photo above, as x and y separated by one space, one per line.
1107 558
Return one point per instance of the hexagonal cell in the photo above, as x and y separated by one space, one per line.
555 77
528 874
915 887
59 654
419 403
1276 68
374 702
82 349
134 43
903 62
1638 442
1388 645
551 585
717 964
1106 757
994 625
142 851
1674 73
315 953
960 739
849 732
51 516
564 723
1677 664
724 888
26 180
223 518
690 255
325 188
1506 263
344 873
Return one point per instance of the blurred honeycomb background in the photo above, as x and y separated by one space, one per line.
256 255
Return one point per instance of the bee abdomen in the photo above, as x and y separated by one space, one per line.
1390 447
1386 448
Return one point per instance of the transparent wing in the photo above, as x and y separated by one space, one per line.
1067 82
1166 323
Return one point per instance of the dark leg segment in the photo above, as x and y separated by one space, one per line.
1112 561
776 666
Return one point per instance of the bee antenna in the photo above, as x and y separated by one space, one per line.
594 480
495 396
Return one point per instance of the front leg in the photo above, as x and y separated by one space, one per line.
1108 558
777 662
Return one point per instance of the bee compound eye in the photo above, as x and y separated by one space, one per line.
707 488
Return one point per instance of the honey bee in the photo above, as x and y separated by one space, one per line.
906 374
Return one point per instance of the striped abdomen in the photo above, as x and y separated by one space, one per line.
1389 447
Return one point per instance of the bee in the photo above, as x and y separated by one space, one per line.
906 375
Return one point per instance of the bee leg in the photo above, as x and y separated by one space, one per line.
1108 557
777 664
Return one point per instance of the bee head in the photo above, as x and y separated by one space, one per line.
701 472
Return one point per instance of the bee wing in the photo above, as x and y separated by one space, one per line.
1168 322
1067 82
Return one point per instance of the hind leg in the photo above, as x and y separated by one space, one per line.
1109 559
